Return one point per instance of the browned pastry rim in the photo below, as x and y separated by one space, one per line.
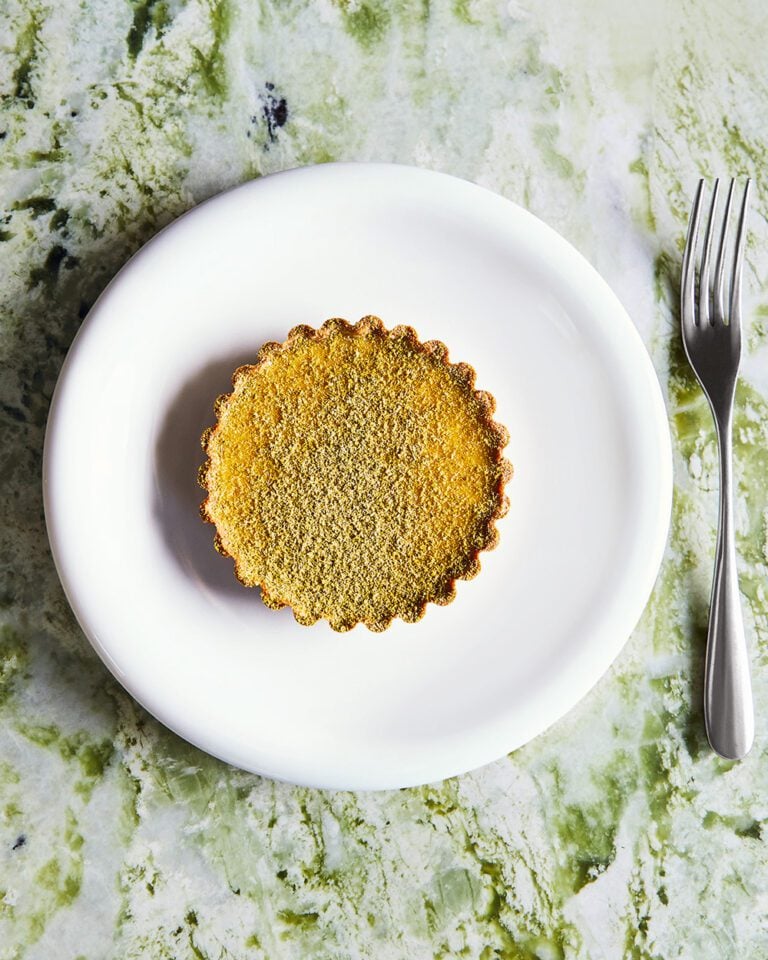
492 437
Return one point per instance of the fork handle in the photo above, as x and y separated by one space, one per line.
728 710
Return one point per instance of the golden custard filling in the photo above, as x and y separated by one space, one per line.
354 474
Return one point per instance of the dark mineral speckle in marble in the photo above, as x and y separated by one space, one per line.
274 111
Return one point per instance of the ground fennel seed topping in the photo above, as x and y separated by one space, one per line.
354 474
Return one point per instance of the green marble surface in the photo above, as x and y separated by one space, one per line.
617 833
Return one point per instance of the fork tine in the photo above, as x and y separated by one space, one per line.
704 317
738 260
717 296
687 303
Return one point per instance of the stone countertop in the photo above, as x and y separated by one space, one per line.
617 833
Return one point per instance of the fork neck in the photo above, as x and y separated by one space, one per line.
723 417
724 426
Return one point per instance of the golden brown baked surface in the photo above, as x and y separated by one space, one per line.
354 474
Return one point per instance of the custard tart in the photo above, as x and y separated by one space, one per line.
354 474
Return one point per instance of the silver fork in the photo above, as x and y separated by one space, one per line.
712 341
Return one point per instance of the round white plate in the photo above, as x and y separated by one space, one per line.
579 550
